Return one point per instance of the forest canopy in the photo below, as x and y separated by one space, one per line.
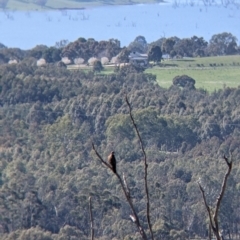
49 117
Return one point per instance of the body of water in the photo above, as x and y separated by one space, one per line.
25 30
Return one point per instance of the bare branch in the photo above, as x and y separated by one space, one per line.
210 232
207 207
214 218
145 167
227 161
127 195
126 186
223 188
91 218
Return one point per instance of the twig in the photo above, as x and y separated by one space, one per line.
91 218
145 167
210 232
223 188
127 195
214 218
207 207
126 185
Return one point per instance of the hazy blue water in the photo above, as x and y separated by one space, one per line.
28 29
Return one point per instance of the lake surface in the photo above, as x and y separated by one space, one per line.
25 30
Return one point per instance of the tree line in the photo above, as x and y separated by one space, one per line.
83 50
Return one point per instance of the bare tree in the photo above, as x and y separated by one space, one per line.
213 212
145 168
126 192
134 216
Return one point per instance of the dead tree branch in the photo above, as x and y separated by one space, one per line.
126 193
213 218
145 167
207 207
91 218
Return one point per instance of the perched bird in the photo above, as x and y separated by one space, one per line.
112 161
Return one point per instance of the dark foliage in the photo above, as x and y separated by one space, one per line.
91 48
50 116
155 54
223 44
97 66
123 56
138 45
184 81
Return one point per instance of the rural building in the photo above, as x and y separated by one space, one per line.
138 58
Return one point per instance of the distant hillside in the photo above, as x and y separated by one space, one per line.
49 117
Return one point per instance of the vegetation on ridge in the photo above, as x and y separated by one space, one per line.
49 118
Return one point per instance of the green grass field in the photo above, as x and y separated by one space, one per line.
208 79
219 61
210 73
20 5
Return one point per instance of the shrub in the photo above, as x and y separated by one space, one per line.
78 61
184 81
66 60
13 61
41 62
92 60
97 66
114 60
104 60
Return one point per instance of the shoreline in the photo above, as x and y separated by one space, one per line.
95 4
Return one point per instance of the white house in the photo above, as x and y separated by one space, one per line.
138 58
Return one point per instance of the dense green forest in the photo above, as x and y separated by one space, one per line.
49 118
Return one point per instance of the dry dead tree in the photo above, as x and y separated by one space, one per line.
145 167
124 185
126 192
213 217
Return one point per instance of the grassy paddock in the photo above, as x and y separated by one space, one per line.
219 61
209 79
225 72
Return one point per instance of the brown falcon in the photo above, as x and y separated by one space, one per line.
112 161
